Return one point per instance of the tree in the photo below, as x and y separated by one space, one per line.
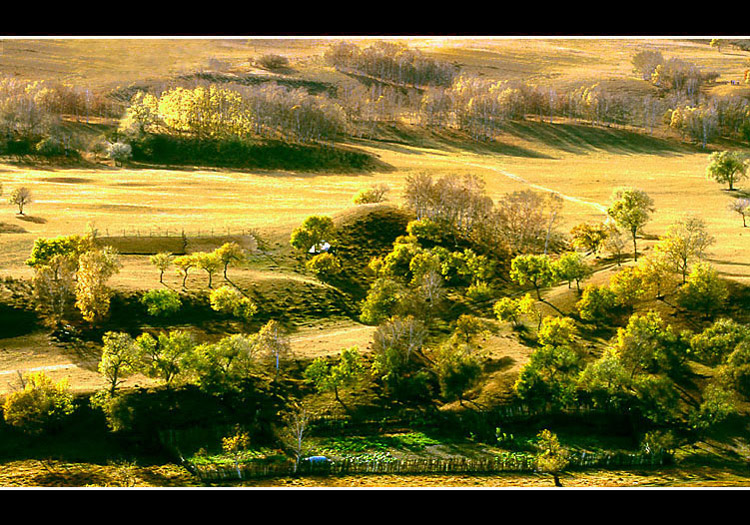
548 380
509 310
274 341
589 237
208 262
93 296
685 241
54 287
742 208
570 267
330 377
557 331
716 342
458 369
41 405
230 253
383 300
235 444
596 304
656 271
647 345
296 423
703 291
551 457
119 152
631 210
397 346
162 261
119 358
372 195
615 243
221 366
161 302
21 197
325 265
627 286
167 356
228 300
726 167
312 232
184 263
537 270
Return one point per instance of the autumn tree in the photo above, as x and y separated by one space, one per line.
273 341
210 263
589 237
742 208
231 301
597 304
230 253
551 457
41 405
184 264
686 241
631 210
726 167
162 261
20 197
93 296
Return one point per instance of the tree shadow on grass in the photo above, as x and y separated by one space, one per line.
584 138
31 218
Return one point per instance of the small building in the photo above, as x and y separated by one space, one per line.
321 247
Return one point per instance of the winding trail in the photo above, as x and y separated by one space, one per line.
515 177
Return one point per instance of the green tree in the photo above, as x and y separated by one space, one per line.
726 167
536 270
716 342
166 357
161 303
509 310
703 291
119 359
549 379
631 209
383 300
627 286
597 304
458 368
570 267
325 265
222 366
330 377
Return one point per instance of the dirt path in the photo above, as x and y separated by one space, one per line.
515 177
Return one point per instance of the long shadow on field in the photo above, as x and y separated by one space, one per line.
582 138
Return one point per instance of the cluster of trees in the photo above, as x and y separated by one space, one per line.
639 371
391 61
71 275
457 208
671 74
221 258
236 112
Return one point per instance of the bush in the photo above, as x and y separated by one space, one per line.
479 292
41 406
228 300
324 265
161 303
49 147
271 61
119 152
372 195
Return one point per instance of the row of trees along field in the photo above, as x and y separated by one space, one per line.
404 84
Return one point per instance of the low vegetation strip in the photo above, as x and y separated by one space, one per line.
511 462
